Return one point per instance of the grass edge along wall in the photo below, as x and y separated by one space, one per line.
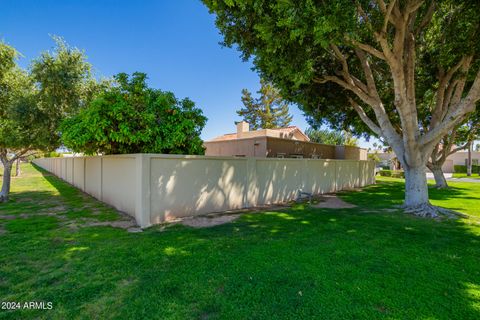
155 188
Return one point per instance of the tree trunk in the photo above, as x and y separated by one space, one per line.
416 191
7 171
469 160
440 181
17 168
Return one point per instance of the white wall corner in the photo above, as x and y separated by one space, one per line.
142 190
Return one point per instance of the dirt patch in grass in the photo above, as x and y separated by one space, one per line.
218 218
331 201
123 224
209 221
12 217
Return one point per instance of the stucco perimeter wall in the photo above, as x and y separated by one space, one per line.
110 179
156 188
350 153
188 186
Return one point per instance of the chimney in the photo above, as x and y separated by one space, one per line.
242 127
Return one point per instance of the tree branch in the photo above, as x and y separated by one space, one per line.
414 6
463 147
444 82
372 88
456 113
388 13
365 118
367 48
426 19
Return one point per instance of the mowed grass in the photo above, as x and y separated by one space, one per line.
389 192
464 175
369 262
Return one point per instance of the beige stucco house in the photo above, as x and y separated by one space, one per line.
289 142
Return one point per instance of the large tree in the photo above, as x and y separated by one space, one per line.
130 117
361 60
267 111
32 104
334 137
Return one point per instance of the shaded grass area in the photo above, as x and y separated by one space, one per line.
300 263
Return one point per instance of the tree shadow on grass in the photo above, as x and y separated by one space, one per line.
338 265
297 263
72 196
349 265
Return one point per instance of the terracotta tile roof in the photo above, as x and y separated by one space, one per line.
287 130
228 136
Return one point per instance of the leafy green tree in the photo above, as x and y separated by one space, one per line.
33 104
374 157
373 61
130 117
267 111
334 137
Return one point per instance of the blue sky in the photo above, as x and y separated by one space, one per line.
174 42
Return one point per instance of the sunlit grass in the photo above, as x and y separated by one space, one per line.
369 262
460 196
464 175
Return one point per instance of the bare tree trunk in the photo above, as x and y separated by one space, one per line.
440 181
17 168
416 192
469 160
7 171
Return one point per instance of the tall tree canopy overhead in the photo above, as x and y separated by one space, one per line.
130 117
408 69
32 104
267 111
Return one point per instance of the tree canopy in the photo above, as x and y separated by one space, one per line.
130 117
267 111
32 104
405 70
331 137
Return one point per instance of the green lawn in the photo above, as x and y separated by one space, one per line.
369 262
461 196
464 175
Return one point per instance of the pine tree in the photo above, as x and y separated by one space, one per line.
267 111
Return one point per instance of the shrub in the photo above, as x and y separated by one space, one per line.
392 173
385 173
52 154
398 174
463 169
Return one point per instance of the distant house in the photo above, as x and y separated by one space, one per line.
458 158
288 142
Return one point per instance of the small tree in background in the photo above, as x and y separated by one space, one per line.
33 104
331 137
460 138
267 111
130 117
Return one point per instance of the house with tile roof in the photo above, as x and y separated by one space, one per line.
288 142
